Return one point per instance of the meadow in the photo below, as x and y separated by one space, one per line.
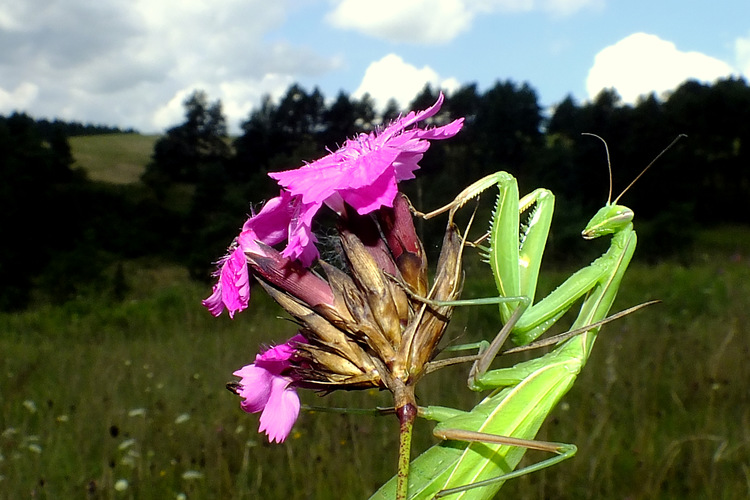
104 399
125 399
115 158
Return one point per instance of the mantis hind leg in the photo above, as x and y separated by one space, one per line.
562 451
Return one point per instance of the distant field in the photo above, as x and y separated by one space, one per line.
115 158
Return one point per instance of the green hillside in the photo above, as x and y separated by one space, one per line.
115 158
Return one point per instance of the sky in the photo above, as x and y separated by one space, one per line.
132 63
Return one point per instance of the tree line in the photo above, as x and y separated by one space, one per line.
197 189
62 232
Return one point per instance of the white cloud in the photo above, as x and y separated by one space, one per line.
19 97
172 111
238 97
391 77
420 21
132 62
641 63
433 21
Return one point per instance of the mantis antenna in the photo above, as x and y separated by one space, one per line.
609 165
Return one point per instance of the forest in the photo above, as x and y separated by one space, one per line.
64 230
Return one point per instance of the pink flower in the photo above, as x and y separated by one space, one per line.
270 226
233 289
265 388
364 173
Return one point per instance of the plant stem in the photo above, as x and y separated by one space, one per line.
406 410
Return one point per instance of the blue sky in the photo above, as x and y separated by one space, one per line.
132 62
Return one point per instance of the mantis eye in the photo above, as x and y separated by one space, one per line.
621 217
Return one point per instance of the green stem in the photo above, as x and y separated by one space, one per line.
406 415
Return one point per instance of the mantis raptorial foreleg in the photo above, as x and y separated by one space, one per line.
515 256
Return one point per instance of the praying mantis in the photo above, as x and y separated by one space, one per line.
483 446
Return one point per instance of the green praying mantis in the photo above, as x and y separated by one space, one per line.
482 447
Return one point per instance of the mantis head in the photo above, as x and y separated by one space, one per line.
608 220
613 218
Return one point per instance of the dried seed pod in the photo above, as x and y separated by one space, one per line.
425 331
374 286
352 313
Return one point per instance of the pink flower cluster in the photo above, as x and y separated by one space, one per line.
363 173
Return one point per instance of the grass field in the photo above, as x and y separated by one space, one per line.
126 400
115 158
